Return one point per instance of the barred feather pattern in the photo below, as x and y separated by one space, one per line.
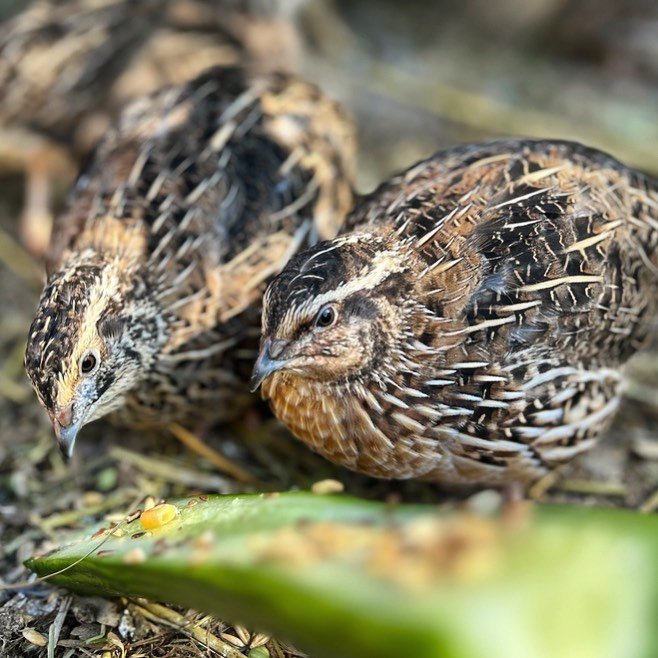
198 196
487 300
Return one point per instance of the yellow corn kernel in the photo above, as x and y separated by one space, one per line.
157 516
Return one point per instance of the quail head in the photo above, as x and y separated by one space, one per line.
198 196
470 324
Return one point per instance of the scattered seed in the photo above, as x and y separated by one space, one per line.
92 498
105 552
34 637
324 487
99 533
258 640
243 634
137 535
135 556
231 639
133 516
485 503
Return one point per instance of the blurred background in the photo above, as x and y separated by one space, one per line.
417 77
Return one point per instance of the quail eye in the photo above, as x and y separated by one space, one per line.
326 317
89 362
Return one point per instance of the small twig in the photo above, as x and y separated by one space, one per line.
194 443
171 471
56 627
543 485
161 614
650 504
593 487
67 518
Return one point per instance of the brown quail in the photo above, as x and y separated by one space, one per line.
68 68
191 203
470 325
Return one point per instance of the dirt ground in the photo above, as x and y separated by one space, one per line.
417 77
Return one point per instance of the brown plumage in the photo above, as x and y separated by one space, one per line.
199 195
471 324
68 67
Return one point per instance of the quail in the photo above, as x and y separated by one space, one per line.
156 270
470 325
68 68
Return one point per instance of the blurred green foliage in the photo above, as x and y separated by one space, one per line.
345 577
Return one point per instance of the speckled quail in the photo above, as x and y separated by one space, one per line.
470 324
200 194
68 68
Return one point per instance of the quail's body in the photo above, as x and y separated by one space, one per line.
67 68
198 196
471 323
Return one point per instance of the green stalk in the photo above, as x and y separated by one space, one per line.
345 577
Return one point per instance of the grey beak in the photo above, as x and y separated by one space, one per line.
66 437
266 364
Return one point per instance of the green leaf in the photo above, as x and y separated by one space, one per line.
346 577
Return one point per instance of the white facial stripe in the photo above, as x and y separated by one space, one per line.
383 265
102 293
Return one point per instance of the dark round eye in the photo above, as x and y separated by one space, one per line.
88 363
326 317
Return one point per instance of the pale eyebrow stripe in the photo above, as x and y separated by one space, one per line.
384 264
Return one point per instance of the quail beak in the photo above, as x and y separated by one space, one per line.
266 363
65 430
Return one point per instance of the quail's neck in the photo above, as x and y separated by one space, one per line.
149 325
